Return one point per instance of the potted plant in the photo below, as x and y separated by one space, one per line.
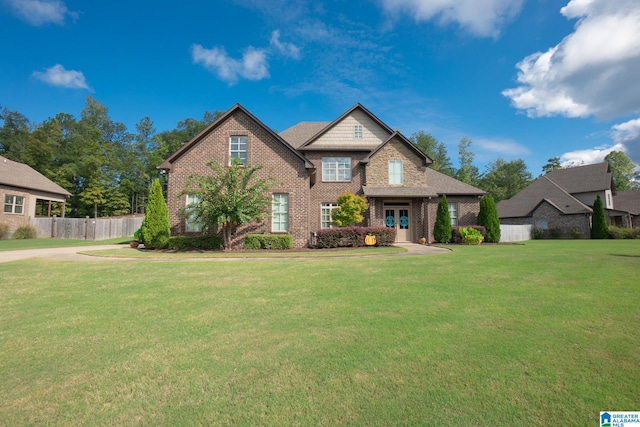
137 238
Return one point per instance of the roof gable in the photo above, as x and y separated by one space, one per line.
542 189
397 136
14 174
339 134
233 110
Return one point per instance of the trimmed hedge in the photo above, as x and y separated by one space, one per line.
353 237
456 237
195 243
268 241
624 233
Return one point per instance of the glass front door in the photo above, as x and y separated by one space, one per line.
400 219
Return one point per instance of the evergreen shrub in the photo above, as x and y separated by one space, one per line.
205 243
442 229
156 228
555 233
488 217
599 229
620 233
539 233
268 241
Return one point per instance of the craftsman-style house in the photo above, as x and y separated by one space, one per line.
314 162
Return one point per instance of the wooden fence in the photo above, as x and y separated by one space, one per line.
87 228
515 233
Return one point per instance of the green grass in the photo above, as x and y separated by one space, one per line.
167 256
489 335
18 244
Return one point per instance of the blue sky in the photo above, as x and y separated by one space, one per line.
529 79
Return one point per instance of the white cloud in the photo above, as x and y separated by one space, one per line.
252 66
39 12
59 76
284 48
588 156
628 135
505 147
479 17
592 71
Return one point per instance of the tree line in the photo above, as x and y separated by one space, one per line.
108 169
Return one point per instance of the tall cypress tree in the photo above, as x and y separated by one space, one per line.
599 229
488 218
156 227
442 230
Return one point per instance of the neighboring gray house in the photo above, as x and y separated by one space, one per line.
629 203
26 193
563 199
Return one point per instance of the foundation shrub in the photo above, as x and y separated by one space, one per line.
268 241
4 230
619 233
25 232
555 233
539 233
353 237
575 233
207 243
456 236
471 236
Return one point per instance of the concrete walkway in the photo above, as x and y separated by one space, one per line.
72 253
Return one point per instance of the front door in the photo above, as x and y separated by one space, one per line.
400 219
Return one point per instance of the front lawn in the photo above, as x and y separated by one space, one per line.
490 335
19 244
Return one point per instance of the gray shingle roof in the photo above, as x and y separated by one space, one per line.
628 201
542 189
302 132
14 174
583 179
444 184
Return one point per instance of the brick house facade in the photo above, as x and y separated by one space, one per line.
315 162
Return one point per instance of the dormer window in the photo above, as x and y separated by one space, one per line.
357 131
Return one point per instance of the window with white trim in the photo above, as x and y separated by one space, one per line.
325 215
357 131
395 172
336 168
13 204
238 148
280 212
453 213
192 223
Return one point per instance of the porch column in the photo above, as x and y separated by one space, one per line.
427 219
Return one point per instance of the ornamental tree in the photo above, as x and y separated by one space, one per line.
488 218
599 229
442 230
349 210
156 227
229 198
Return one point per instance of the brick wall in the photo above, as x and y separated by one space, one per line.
468 210
328 192
555 219
14 220
262 149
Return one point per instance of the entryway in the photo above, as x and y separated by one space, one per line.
399 217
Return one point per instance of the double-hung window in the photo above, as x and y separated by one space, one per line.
238 149
453 213
395 172
193 224
325 215
13 204
357 131
280 212
336 168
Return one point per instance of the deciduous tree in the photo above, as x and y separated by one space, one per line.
349 210
467 172
436 151
623 170
504 180
229 198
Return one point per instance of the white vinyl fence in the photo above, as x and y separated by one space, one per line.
87 228
515 233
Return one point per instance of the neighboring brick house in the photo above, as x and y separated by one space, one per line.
563 199
316 162
26 193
